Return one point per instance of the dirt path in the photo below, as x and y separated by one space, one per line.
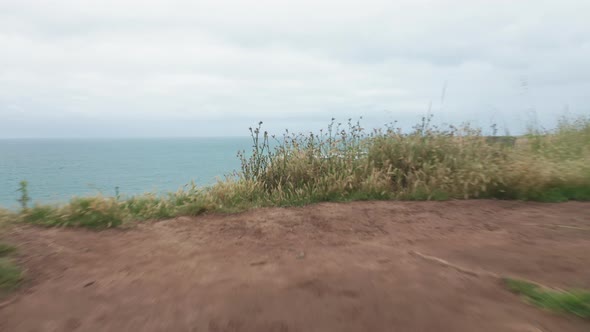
328 267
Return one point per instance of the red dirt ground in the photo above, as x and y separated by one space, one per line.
328 267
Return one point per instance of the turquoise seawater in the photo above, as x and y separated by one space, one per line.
57 169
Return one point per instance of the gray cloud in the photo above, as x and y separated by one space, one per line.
170 68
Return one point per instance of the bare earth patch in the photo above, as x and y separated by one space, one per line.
364 266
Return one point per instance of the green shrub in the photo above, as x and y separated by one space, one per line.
24 198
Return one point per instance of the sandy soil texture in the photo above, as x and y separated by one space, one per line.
363 266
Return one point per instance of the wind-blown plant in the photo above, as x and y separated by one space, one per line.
347 162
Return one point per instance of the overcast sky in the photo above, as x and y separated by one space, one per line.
114 68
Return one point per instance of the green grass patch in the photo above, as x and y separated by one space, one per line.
575 302
91 212
6 249
10 274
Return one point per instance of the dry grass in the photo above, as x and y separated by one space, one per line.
348 163
427 163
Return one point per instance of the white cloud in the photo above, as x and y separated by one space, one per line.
153 67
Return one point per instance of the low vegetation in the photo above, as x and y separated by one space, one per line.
575 302
10 273
347 162
6 249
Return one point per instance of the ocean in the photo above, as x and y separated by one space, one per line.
58 169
